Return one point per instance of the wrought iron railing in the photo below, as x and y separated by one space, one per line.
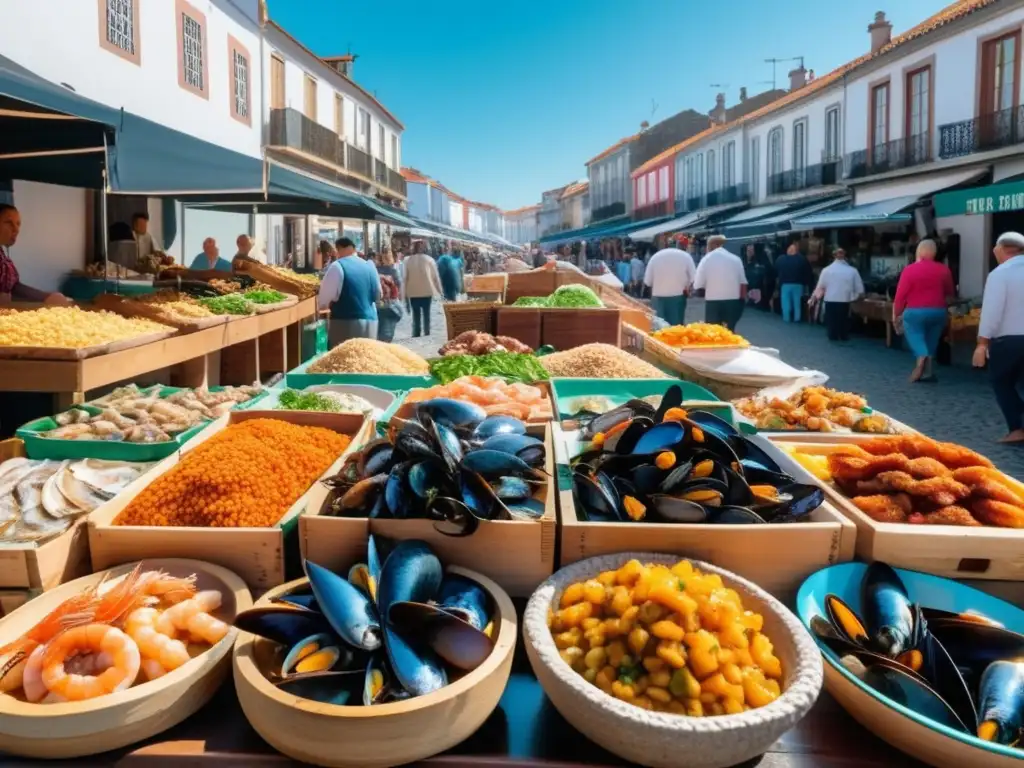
608 211
891 156
654 210
982 134
808 177
735 193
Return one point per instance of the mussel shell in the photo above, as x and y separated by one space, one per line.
624 441
452 413
648 479
375 458
495 464
499 425
349 611
450 446
674 479
417 669
888 615
372 694
427 478
526 509
414 447
942 675
973 647
411 572
362 496
510 442
673 398
845 620
305 602
451 637
893 682
466 599
935 615
452 517
1001 700
738 493
607 421
396 498
673 510
512 489
282 624
478 495
332 687
749 453
324 643
796 500
592 498
734 516
658 438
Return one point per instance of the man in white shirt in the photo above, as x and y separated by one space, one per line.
839 285
669 274
636 272
1001 332
721 275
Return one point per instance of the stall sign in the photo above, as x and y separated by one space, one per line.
996 198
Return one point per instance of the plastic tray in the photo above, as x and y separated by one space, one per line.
620 390
272 396
39 447
298 378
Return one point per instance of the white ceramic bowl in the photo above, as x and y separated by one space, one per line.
385 734
661 739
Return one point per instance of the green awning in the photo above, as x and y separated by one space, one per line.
995 198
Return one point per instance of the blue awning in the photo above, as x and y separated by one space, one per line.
881 212
781 222
583 233
754 214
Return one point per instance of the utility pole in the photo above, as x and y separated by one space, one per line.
774 62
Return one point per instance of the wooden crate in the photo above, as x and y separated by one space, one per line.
568 328
255 554
951 551
40 567
667 358
487 284
536 282
517 555
12 599
775 557
470 316
523 323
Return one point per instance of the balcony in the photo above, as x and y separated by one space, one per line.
894 155
291 129
982 134
654 210
608 211
736 193
822 174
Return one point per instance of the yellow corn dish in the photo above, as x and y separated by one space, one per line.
668 640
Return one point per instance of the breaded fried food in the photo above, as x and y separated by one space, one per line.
997 513
940 491
916 446
885 509
991 484
850 468
951 515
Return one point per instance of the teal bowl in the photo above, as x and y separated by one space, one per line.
908 731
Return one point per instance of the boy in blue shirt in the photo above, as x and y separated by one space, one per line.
210 258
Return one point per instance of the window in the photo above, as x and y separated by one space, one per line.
119 28
832 134
799 148
364 130
276 82
663 184
241 100
729 165
394 152
755 168
775 152
880 116
192 50
652 187
309 98
339 115
712 186
699 176
641 192
1000 61
380 141
918 114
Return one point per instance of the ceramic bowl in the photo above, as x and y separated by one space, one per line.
904 729
384 734
76 729
660 739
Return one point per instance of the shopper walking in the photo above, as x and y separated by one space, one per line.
421 284
793 273
838 286
450 271
754 270
722 277
922 295
350 290
1001 333
389 306
670 273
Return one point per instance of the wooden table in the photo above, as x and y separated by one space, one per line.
238 352
525 730
879 310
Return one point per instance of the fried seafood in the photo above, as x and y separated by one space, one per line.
917 446
848 468
885 509
942 491
951 515
815 409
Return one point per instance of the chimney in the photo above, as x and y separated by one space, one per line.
881 32
717 114
342 64
743 94
797 78
644 126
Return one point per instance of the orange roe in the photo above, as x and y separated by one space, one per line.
247 476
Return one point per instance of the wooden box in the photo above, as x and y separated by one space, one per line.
523 323
954 552
536 282
255 554
43 566
568 328
775 557
487 284
470 316
517 555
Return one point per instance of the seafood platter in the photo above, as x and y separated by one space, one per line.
577 399
931 666
116 657
708 666
816 413
477 488
231 496
918 503
133 423
686 481
384 660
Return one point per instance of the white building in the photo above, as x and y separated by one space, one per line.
521 225
575 205
611 193
428 200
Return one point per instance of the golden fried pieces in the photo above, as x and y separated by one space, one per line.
916 446
852 468
998 513
951 515
941 491
885 509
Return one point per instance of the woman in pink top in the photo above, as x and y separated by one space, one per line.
920 307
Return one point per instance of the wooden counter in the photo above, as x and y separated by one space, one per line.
239 352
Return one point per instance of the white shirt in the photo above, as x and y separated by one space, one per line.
720 273
332 283
669 272
1002 308
840 282
636 269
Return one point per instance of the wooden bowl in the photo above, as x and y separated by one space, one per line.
385 734
76 729
665 740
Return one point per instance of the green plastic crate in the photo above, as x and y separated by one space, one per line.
82 288
39 447
314 340
298 378
273 394
621 390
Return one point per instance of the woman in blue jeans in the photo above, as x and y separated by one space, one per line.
923 292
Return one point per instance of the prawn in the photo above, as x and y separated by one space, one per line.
35 690
154 646
193 616
90 638
76 610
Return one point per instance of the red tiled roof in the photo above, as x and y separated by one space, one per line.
947 15
411 174
613 148
576 188
524 209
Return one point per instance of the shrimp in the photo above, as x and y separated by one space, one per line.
169 589
74 611
90 638
32 681
154 645
193 616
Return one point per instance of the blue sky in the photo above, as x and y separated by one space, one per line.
501 106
